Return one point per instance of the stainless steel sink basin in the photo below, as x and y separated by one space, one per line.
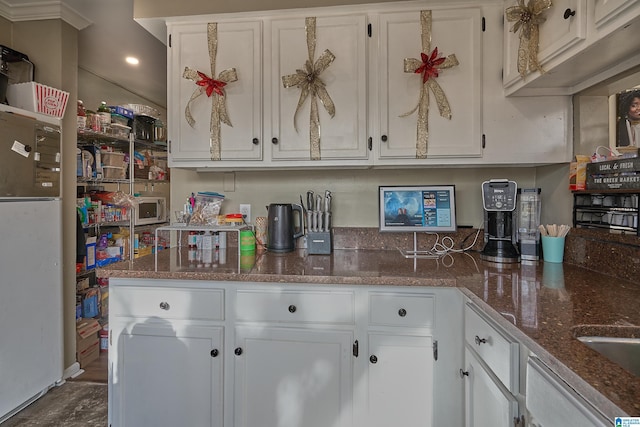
623 351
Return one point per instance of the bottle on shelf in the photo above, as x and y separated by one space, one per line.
192 240
105 114
82 115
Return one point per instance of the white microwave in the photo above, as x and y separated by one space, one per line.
151 210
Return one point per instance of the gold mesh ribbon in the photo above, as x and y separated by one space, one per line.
310 85
212 87
428 66
527 19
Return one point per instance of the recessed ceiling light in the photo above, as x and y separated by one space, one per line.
131 60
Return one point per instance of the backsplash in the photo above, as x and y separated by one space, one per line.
616 255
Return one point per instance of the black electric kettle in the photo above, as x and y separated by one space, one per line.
281 233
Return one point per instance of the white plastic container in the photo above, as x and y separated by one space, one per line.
36 97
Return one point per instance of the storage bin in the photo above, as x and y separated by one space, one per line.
113 172
113 159
36 97
121 111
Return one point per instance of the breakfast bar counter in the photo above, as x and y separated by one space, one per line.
543 305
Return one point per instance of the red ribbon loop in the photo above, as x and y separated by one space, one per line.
211 85
429 67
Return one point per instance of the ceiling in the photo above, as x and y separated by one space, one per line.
111 35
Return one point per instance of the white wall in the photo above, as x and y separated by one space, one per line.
355 199
93 89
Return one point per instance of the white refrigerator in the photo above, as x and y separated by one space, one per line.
31 331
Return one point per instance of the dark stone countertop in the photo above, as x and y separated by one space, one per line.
543 305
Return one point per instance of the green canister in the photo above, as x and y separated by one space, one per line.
247 241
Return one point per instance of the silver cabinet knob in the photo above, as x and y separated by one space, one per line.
164 305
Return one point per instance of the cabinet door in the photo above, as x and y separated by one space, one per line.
239 47
292 377
552 403
166 376
452 32
400 380
488 403
344 135
612 14
558 35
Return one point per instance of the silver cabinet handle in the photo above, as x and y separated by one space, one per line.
164 305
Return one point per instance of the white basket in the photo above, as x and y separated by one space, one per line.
36 97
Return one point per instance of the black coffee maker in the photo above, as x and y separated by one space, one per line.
500 230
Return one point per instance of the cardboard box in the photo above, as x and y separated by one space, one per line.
82 284
116 109
89 354
104 302
619 174
91 253
578 173
86 333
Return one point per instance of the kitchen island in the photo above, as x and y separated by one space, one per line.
544 306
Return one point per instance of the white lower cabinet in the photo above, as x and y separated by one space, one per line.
552 403
414 343
400 376
246 354
292 377
491 372
487 402
292 356
165 374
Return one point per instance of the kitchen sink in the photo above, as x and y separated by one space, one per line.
623 351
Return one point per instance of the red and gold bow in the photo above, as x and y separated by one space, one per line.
214 88
211 85
429 67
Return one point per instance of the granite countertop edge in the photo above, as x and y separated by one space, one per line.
598 395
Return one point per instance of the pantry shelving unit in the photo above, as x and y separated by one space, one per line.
614 210
87 137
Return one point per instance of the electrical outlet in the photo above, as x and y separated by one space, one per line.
245 210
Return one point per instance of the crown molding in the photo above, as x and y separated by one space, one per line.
36 11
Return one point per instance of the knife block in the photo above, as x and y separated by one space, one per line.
319 243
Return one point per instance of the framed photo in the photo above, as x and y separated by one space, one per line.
627 119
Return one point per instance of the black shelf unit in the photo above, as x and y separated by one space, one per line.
614 210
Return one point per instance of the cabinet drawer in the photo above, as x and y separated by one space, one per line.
499 351
193 304
416 310
295 306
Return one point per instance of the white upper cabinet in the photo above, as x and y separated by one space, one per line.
370 107
612 14
238 47
581 43
339 72
565 26
452 32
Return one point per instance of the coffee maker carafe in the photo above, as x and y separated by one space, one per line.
281 233
528 223
499 202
